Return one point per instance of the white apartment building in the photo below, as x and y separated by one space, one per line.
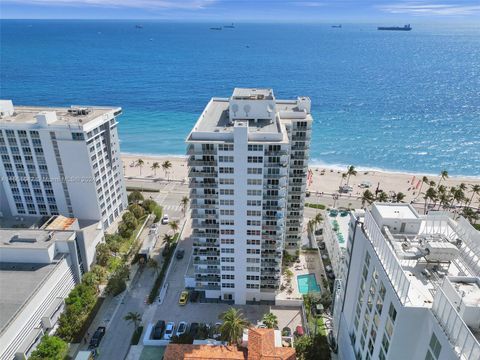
39 266
248 157
60 161
412 287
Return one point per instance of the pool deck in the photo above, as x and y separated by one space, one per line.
310 263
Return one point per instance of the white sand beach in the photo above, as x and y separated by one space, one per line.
324 179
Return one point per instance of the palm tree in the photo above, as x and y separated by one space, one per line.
168 238
154 167
443 176
475 191
470 215
166 165
184 203
351 171
399 197
382 196
270 320
430 194
444 200
233 325
367 197
318 219
458 197
174 226
153 264
424 181
344 176
432 183
133 317
140 163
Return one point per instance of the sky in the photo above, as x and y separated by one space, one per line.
245 10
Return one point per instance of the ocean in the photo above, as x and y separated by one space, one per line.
400 101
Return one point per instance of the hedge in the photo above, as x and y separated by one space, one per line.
158 281
316 206
134 188
136 336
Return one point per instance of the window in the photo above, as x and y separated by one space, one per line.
226 170
228 277
224 181
78 136
252 286
225 147
392 313
256 171
227 251
253 277
434 348
254 147
255 159
254 181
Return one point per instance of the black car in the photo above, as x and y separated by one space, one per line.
158 330
193 329
180 254
97 337
194 296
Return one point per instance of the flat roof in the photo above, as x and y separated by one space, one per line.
26 115
399 211
252 94
215 119
17 284
469 291
32 238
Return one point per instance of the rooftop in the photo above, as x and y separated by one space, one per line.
17 284
399 211
262 345
252 94
28 238
72 116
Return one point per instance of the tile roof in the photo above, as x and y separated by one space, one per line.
261 346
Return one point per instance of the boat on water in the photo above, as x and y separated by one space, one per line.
339 26
396 28
231 26
138 26
215 28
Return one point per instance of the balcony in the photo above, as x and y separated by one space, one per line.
192 151
202 185
298 147
275 176
199 252
202 244
200 205
276 153
275 164
198 261
207 271
200 215
202 234
195 195
202 225
207 278
272 227
194 162
200 286
199 174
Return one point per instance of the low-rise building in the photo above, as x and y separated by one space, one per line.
39 266
262 344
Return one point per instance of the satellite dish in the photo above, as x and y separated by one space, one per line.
247 109
234 109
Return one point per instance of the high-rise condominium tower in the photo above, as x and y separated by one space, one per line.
60 161
248 158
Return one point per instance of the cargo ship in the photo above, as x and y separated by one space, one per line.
396 28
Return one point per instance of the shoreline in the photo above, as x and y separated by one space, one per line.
335 167
325 179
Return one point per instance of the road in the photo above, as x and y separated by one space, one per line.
116 341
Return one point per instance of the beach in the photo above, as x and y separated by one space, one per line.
324 179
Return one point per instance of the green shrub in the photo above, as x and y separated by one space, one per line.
316 206
50 348
158 212
138 189
158 281
125 231
136 336
137 210
149 205
102 254
477 226
135 197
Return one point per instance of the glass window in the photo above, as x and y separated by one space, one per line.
392 313
435 346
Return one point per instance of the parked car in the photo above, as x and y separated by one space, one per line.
180 254
97 337
165 219
217 334
331 275
328 268
169 329
193 329
183 298
154 229
194 296
182 328
321 246
158 330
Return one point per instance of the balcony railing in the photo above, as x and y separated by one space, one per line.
205 262
202 234
200 205
206 253
200 286
195 195
202 225
387 257
192 162
207 271
275 176
194 173
461 338
276 153
192 151
202 185
207 278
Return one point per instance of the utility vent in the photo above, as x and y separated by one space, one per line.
77 111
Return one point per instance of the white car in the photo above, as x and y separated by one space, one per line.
169 329
165 219
182 328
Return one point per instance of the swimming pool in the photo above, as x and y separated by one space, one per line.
307 284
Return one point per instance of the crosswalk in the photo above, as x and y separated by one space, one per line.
172 207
